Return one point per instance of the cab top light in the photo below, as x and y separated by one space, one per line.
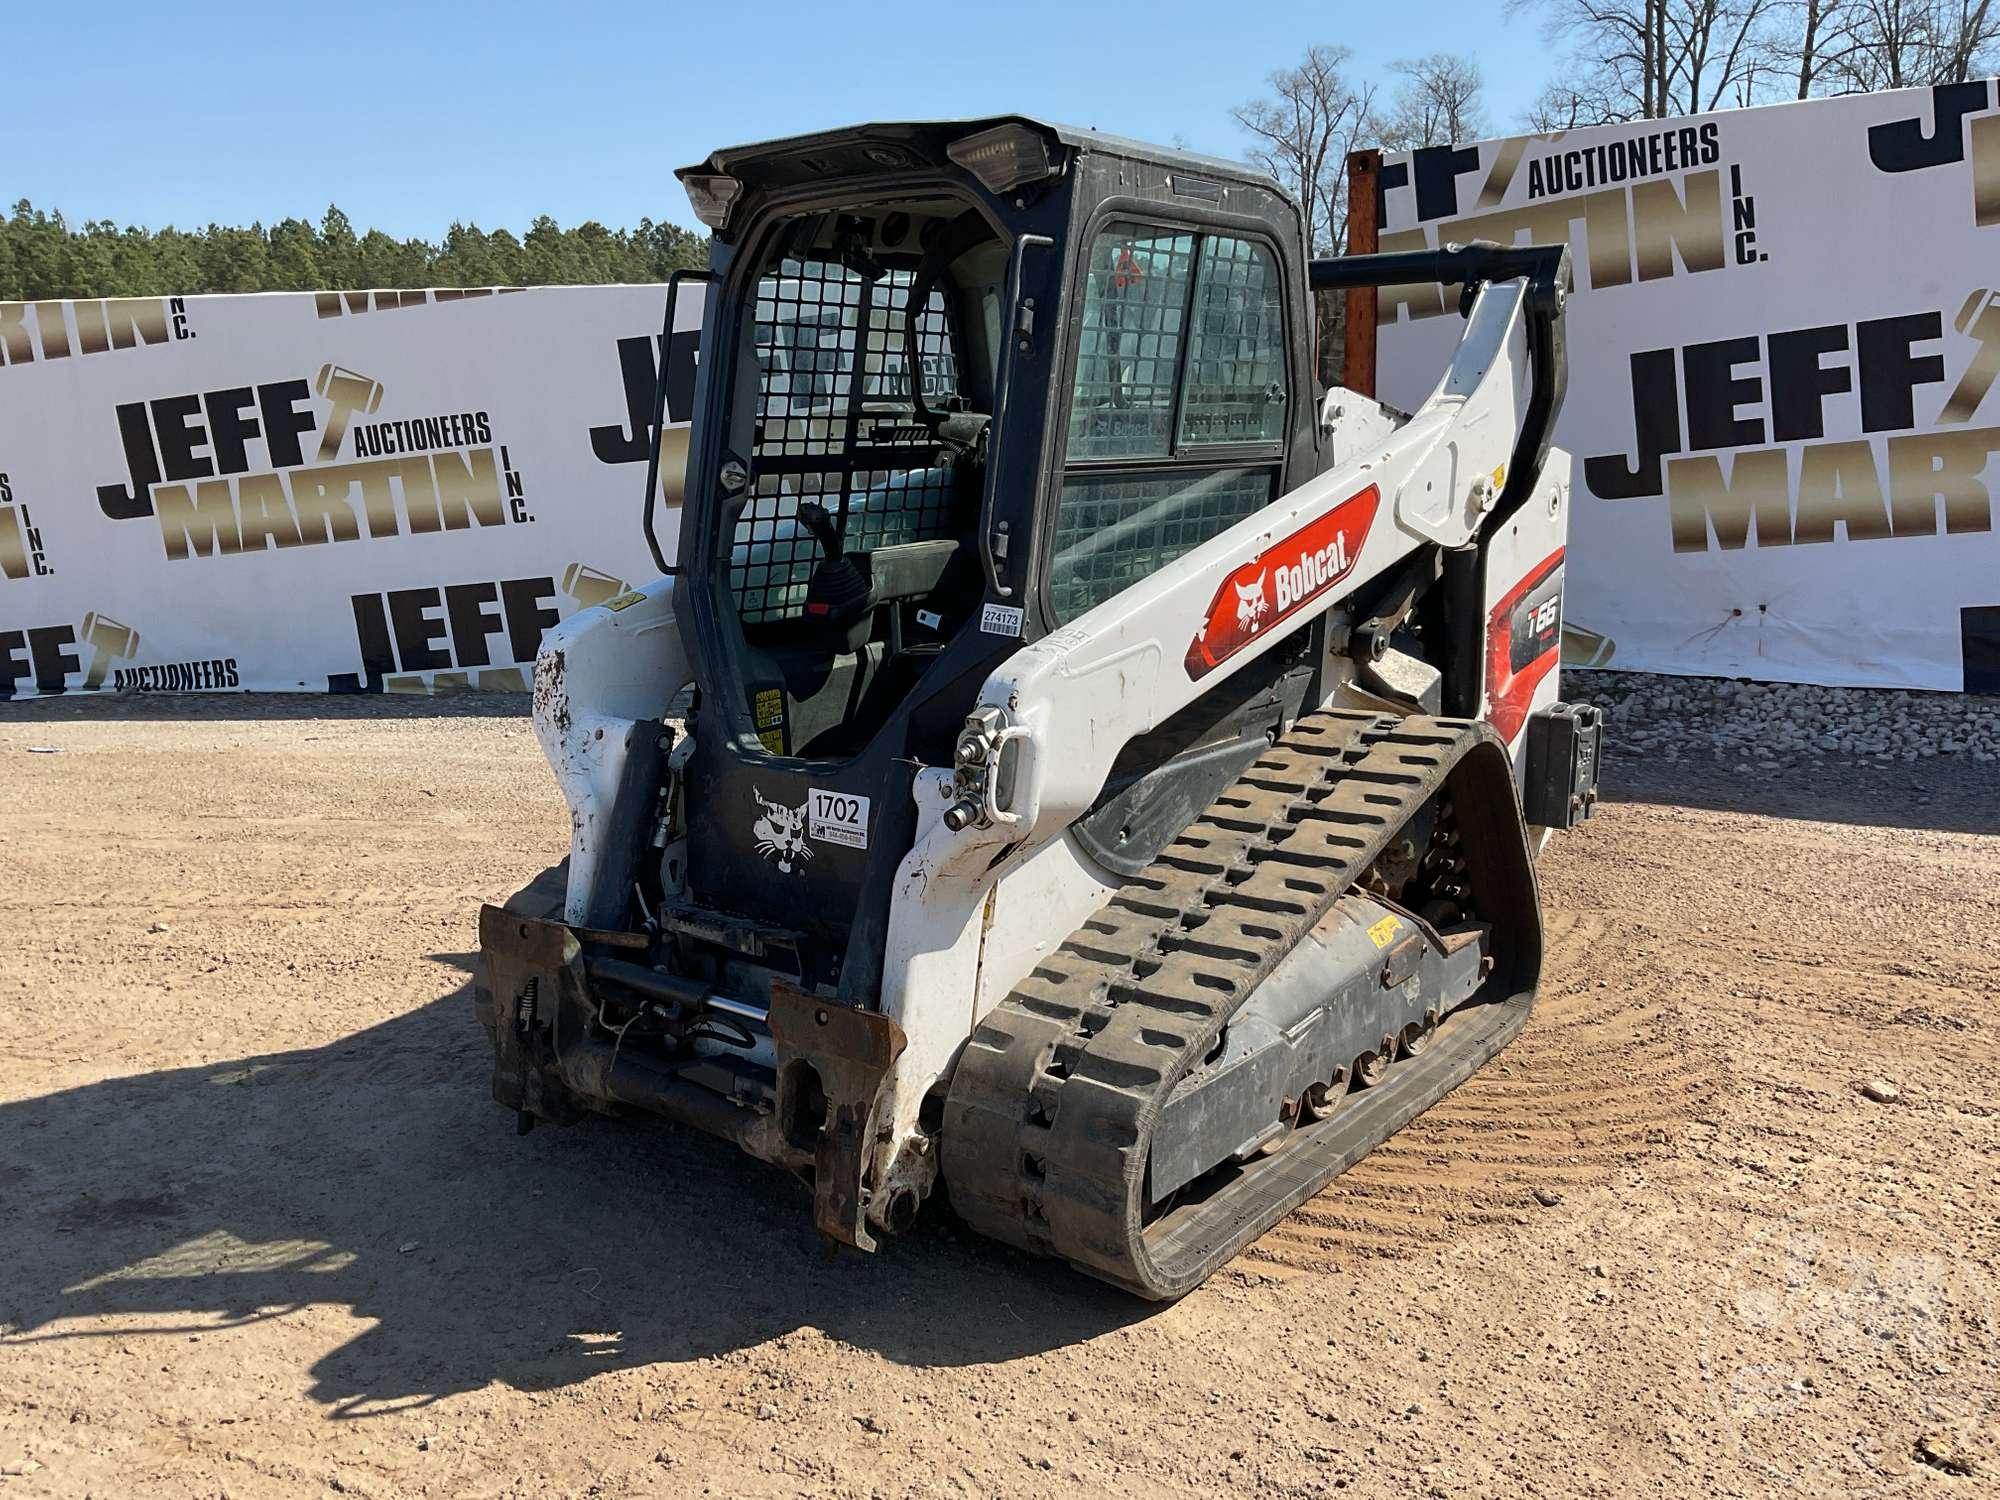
711 198
1004 157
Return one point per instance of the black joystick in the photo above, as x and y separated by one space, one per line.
840 596
813 516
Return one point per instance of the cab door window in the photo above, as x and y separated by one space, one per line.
1177 414
1129 351
1234 390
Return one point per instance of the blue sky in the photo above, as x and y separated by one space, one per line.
411 116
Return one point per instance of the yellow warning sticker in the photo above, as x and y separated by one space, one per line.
625 600
1385 930
768 709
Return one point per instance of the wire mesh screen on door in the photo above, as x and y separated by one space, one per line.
836 426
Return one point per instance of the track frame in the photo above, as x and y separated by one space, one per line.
1049 1115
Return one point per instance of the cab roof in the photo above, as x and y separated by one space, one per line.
856 150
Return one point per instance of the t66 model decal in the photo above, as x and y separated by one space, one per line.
1523 639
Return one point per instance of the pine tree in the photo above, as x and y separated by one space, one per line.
294 257
339 257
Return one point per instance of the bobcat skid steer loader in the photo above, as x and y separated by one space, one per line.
1072 764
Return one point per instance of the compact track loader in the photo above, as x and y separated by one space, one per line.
1073 766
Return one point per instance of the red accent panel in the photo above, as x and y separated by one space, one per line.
1281 580
1510 688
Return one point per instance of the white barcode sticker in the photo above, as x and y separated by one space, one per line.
1002 619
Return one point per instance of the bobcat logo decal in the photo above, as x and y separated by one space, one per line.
1250 603
1297 571
780 832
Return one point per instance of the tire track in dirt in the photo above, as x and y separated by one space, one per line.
1599 1079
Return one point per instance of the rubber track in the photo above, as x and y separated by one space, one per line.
1049 1115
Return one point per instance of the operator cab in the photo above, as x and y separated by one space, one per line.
960 383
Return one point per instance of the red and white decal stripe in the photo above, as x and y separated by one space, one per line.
1523 644
1282 579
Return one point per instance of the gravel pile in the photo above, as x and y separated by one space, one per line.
1679 718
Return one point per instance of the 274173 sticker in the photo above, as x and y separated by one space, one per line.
837 818
1002 619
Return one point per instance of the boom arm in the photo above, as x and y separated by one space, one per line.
1545 269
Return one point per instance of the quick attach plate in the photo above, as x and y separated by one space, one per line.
533 968
852 1051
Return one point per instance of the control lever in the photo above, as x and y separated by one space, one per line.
813 516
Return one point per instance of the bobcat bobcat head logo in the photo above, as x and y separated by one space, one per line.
1250 602
781 832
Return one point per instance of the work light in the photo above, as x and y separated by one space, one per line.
1004 157
712 198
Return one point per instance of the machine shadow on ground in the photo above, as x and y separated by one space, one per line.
374 1174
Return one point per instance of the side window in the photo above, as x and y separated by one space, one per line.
1236 348
1134 318
1181 352
1113 529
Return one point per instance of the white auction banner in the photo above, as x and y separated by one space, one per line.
1783 339
334 491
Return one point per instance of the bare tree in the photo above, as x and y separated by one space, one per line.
1566 106
1717 50
1892 36
1813 41
1914 43
1651 58
1437 103
1612 62
1647 58
1966 41
1303 131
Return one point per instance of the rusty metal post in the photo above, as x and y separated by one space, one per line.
1364 231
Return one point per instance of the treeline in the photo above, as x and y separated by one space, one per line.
1616 60
1648 59
1626 60
43 256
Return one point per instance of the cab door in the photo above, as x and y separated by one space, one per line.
1178 422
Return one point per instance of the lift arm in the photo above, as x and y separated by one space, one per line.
1545 269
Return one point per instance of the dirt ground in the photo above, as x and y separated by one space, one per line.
262 1233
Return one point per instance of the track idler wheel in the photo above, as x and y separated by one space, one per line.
1322 1100
1290 1112
1370 1068
1417 1036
